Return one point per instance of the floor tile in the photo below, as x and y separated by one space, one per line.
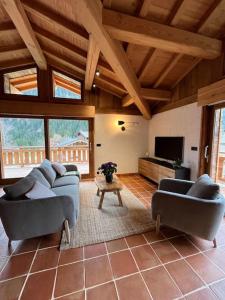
70 278
184 276
165 251
122 263
116 245
217 256
42 290
145 257
27 245
200 243
97 271
17 265
74 296
103 292
94 250
11 288
45 259
160 284
183 246
51 240
219 289
204 294
152 236
135 240
205 269
132 288
70 255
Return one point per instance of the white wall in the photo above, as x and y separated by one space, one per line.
123 148
183 121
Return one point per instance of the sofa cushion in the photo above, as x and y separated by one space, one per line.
59 168
20 188
72 173
48 171
66 180
39 191
37 175
204 188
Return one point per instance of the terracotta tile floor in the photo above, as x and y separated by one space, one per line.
170 265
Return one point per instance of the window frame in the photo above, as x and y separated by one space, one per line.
65 100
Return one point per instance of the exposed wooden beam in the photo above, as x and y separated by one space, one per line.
27 86
110 82
105 86
135 30
62 23
15 10
92 61
212 93
18 62
58 41
149 94
23 79
90 13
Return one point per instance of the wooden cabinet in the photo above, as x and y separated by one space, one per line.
154 170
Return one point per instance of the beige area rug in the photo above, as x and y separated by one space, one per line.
109 223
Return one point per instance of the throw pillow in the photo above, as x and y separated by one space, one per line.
48 171
19 188
37 175
59 168
204 188
39 191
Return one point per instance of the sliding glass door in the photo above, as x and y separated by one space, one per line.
70 143
22 145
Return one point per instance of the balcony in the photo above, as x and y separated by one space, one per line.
19 161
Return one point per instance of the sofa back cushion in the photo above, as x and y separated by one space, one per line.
48 171
37 175
59 168
204 188
39 191
18 189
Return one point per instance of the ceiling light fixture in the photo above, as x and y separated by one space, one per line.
97 73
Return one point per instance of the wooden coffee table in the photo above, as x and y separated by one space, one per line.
104 187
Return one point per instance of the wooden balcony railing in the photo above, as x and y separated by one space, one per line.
221 167
35 155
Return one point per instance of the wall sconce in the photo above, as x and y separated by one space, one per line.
121 123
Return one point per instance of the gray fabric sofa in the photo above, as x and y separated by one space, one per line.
24 218
172 205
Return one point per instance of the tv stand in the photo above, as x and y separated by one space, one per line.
156 169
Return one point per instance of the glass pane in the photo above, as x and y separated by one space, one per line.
66 87
69 143
23 145
23 82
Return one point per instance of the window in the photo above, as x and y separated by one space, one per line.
23 82
23 145
65 87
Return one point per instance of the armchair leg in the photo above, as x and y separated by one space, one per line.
157 224
67 230
9 243
214 243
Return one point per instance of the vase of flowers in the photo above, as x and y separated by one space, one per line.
107 169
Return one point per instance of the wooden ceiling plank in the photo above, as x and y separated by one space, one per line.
92 61
18 62
135 30
16 12
42 12
91 15
12 48
67 86
7 26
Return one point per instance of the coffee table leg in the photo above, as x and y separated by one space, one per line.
101 200
98 192
119 198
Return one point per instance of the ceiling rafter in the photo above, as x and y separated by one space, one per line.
16 12
136 30
17 62
91 15
92 61
42 12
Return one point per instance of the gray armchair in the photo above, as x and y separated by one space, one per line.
172 206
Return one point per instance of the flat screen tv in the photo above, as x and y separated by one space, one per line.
170 148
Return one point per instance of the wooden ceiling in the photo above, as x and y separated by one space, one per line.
142 48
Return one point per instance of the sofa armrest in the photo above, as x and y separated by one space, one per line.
70 167
192 215
175 185
35 217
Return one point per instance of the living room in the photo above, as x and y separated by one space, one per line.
112 135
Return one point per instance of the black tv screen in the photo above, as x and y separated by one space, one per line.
170 148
